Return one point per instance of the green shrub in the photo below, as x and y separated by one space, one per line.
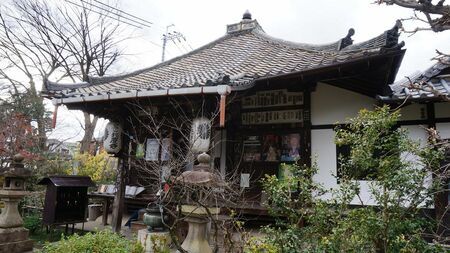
32 223
100 167
101 242
310 223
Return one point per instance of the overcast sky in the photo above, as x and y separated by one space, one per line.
313 21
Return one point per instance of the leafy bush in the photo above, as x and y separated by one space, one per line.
159 244
99 167
32 223
255 245
101 242
311 223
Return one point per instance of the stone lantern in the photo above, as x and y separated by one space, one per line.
13 236
197 217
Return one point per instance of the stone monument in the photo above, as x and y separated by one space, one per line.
13 236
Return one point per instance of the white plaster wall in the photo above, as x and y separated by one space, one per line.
330 104
444 130
323 152
442 110
413 112
417 133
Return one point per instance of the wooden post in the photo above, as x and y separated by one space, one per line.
105 211
306 142
119 197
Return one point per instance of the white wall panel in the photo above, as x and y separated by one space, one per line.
444 130
323 151
330 104
413 112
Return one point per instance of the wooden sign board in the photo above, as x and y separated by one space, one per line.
272 98
272 117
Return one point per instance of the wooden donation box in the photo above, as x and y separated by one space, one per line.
66 199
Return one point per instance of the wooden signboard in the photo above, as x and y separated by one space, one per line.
272 117
272 98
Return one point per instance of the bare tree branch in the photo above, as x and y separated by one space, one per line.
429 9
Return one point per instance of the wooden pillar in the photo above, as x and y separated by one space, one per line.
223 152
118 205
122 176
306 147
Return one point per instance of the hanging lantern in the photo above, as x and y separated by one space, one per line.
113 138
200 135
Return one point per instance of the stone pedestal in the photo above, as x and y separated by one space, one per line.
10 216
154 240
197 238
15 240
13 237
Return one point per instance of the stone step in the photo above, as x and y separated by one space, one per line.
16 247
8 235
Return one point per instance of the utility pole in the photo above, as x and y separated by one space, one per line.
170 37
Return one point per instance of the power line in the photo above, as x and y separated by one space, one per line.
126 13
115 18
179 48
158 45
184 47
120 16
187 42
189 45
134 21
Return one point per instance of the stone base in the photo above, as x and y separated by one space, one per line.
15 240
152 240
196 239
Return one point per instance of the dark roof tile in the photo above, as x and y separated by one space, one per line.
251 53
433 83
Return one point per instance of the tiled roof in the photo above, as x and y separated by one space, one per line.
433 83
246 53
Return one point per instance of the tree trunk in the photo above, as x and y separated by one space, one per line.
89 128
38 103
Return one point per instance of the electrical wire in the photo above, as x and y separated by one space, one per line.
132 20
126 13
179 49
120 16
117 19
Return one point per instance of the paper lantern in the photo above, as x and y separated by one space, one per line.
200 135
113 138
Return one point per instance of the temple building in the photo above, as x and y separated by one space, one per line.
257 103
